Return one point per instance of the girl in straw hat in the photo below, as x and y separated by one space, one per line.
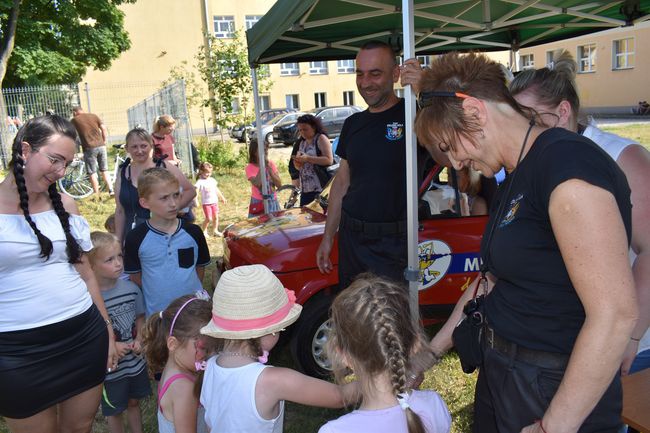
373 336
173 344
240 393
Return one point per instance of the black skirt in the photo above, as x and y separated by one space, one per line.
43 366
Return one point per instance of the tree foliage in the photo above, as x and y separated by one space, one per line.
224 68
57 40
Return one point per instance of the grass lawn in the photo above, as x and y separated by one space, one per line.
455 387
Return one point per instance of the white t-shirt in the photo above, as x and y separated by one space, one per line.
35 292
427 404
208 190
228 396
614 146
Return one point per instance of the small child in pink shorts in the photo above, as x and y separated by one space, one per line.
207 188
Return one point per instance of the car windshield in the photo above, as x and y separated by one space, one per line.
276 119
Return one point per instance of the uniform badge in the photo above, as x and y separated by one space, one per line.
394 131
513 207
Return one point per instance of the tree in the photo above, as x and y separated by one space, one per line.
223 65
56 41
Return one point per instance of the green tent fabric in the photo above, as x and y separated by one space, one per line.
309 30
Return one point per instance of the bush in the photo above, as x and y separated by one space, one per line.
221 154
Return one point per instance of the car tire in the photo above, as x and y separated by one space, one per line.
244 137
269 138
309 336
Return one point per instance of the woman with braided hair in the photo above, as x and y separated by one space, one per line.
374 336
55 334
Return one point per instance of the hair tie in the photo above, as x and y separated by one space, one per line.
550 65
171 328
200 365
402 399
160 315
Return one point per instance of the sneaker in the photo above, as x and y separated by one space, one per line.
206 234
218 233
111 193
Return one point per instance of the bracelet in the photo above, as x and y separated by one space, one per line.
541 426
108 322
635 339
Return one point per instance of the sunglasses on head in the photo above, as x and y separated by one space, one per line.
426 99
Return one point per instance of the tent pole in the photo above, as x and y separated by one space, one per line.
261 161
412 272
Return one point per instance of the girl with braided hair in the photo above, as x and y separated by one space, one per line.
53 327
374 336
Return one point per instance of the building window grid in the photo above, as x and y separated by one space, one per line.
623 53
587 58
318 68
235 105
292 101
425 61
250 20
527 61
224 26
345 66
289 69
320 99
265 102
348 97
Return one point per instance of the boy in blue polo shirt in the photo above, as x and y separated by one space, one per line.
165 256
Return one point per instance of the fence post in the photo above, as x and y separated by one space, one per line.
87 89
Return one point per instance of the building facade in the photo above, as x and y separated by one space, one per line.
613 67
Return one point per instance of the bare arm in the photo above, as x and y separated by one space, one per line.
595 253
273 174
102 128
635 163
339 187
200 271
410 74
189 192
184 406
325 159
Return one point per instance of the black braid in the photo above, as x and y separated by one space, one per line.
72 246
17 166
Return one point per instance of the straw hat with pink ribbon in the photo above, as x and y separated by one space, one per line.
249 302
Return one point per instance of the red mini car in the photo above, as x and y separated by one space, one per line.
286 242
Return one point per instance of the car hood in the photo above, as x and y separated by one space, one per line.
285 241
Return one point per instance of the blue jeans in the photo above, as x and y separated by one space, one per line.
641 362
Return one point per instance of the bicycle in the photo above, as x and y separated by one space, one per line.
289 194
76 182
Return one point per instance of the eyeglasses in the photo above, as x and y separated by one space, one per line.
57 163
426 99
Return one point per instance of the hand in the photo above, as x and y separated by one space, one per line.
123 348
410 73
628 357
111 362
533 428
137 347
300 158
323 256
223 200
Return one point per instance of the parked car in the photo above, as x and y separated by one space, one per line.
241 132
267 128
332 118
286 241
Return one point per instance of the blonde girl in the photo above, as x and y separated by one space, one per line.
163 138
373 335
240 393
208 188
173 344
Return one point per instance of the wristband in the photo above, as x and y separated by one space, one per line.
108 322
541 426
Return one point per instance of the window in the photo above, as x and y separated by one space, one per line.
328 114
318 68
319 99
526 61
348 97
345 66
399 93
251 20
224 26
587 58
265 102
289 69
623 54
235 106
292 101
425 61
549 57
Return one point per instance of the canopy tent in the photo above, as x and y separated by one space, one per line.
310 30
316 30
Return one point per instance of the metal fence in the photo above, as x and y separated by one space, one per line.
120 105
168 100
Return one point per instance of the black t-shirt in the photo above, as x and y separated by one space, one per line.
374 146
533 302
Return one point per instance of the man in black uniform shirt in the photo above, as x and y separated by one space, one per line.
367 201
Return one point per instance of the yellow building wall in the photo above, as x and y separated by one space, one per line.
607 89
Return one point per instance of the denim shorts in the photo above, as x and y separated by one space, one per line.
96 157
120 391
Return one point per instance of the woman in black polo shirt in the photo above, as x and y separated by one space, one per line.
561 303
